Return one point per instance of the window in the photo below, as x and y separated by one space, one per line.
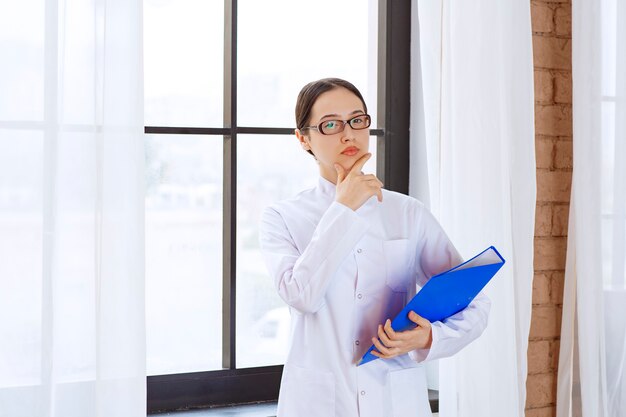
221 80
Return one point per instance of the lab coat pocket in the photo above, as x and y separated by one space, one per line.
306 392
398 264
409 393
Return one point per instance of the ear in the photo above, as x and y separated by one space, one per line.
303 139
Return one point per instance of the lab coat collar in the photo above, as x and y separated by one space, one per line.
329 189
326 187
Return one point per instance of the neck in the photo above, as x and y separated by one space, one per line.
328 174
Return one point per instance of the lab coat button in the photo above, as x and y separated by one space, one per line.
359 250
356 343
359 296
362 392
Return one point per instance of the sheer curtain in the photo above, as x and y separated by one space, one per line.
472 136
71 209
592 361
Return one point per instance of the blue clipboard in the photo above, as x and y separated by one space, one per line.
447 293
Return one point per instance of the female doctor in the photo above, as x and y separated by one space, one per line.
346 256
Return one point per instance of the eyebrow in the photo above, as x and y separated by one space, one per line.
337 115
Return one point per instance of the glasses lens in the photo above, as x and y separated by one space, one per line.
330 127
360 122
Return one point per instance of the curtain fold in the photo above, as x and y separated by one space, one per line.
72 211
592 360
476 118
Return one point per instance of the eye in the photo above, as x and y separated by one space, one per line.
358 120
330 124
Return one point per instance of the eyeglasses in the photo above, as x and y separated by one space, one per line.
331 127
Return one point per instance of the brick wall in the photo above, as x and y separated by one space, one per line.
551 26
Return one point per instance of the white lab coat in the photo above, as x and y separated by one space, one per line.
342 273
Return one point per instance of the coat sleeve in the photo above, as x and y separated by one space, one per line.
302 279
454 333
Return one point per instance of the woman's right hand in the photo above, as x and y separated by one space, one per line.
354 188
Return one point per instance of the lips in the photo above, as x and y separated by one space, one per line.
351 151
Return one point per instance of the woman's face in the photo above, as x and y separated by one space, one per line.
343 148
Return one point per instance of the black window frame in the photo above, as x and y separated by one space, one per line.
249 385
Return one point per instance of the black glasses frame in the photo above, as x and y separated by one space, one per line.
318 127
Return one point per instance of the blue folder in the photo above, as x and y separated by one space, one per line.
447 293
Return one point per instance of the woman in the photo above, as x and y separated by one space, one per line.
346 256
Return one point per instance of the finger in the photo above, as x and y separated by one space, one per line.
358 165
376 190
385 339
373 181
419 320
341 173
378 354
391 333
381 348
369 177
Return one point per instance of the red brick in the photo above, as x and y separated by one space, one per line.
556 287
552 53
553 120
544 86
541 390
543 220
560 218
542 17
544 152
539 360
541 288
555 345
541 412
563 87
549 253
563 20
545 322
553 186
563 158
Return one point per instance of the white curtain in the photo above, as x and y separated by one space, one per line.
592 361
472 137
72 338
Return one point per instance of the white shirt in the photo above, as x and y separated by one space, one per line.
343 272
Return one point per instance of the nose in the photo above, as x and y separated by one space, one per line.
347 134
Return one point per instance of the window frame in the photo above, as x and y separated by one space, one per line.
247 385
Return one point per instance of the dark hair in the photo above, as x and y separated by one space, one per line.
310 92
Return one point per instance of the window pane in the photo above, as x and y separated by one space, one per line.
283 171
183 253
21 231
183 61
284 44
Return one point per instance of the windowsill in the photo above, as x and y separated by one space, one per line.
261 410
250 410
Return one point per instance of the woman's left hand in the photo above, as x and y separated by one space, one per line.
392 343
